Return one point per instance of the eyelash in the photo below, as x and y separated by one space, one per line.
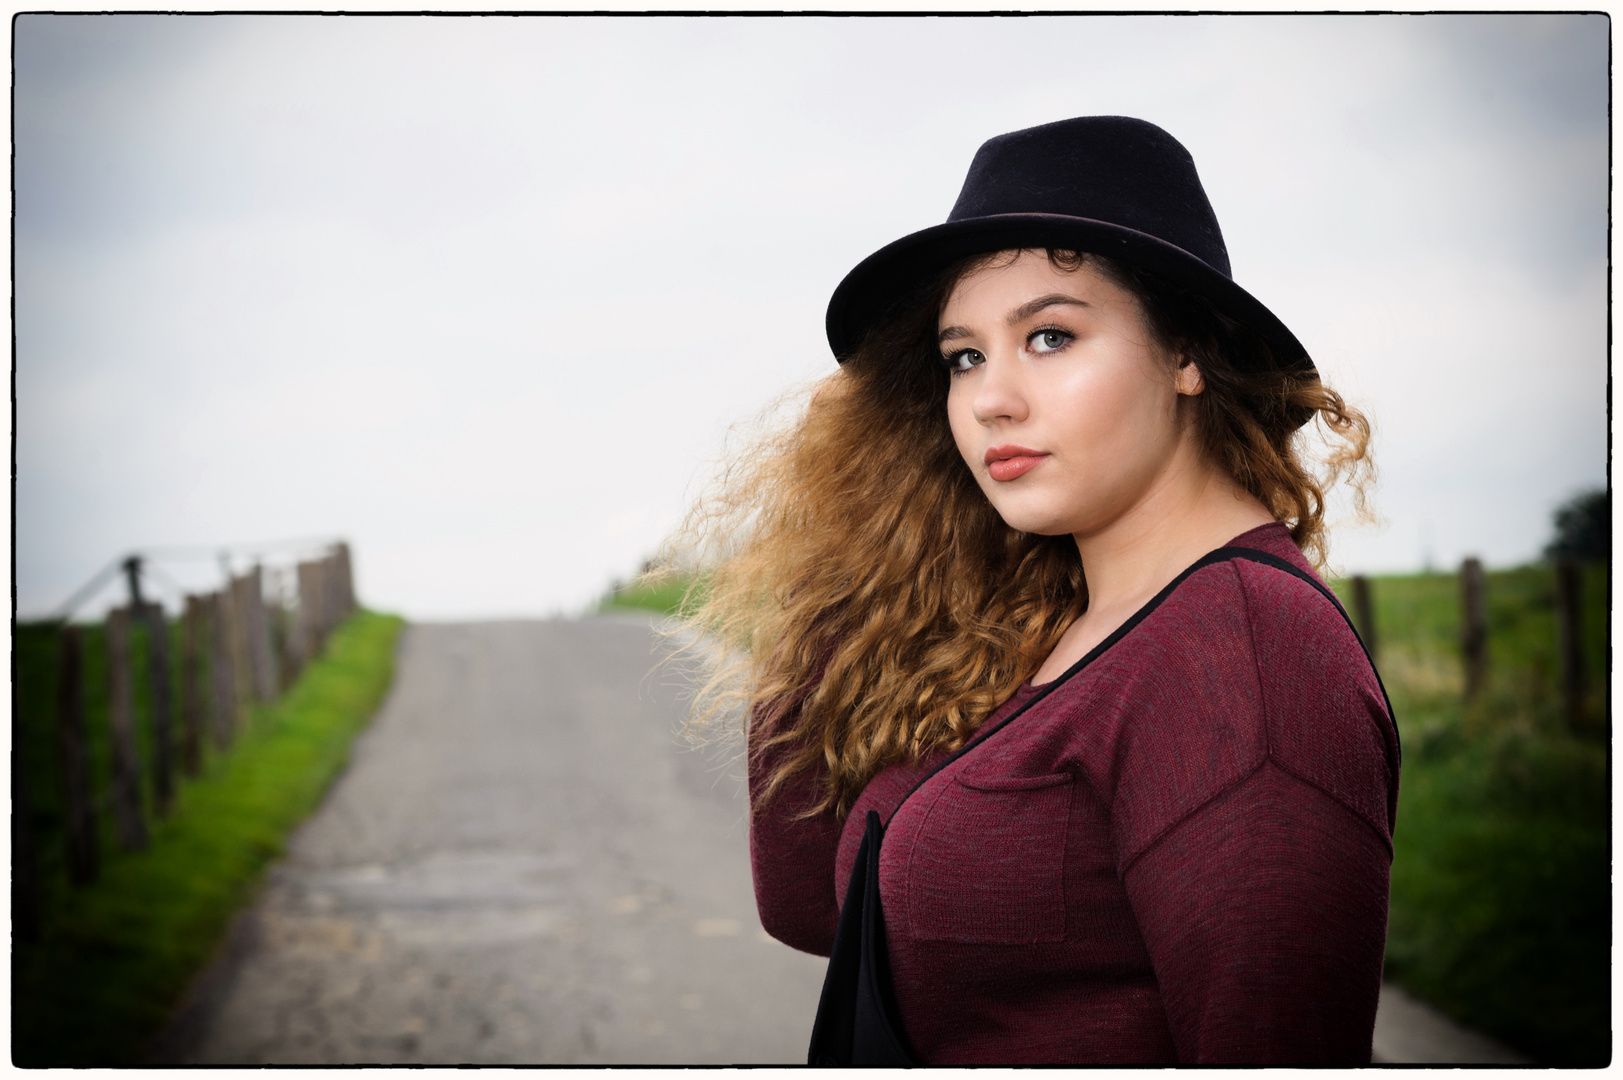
950 360
1062 332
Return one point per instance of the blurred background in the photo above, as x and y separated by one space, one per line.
483 298
483 295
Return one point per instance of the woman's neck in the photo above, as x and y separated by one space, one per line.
1192 511
1192 507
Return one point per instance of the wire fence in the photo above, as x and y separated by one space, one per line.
141 698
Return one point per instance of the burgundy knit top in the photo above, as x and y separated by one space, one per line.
1178 853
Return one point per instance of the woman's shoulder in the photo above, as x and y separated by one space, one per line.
1207 624
1326 715
1242 665
1258 594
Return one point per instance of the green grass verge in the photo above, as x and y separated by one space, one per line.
1501 893
113 959
1501 896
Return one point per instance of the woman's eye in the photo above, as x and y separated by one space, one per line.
1047 341
963 360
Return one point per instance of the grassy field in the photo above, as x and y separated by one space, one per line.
1501 894
113 958
662 595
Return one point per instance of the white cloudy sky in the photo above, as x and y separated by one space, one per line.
484 294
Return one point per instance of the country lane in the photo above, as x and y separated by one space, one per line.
523 863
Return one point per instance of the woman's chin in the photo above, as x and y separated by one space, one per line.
1036 520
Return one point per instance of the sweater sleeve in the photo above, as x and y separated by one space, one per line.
1264 914
792 857
1259 877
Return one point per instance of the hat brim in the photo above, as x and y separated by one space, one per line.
896 271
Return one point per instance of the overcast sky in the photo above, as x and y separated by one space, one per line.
483 295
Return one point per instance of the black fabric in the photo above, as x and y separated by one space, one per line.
858 1022
856 1016
1110 185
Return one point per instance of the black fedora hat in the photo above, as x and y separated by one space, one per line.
1107 185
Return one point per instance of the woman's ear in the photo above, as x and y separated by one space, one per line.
1190 380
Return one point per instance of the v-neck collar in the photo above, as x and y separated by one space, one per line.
1149 606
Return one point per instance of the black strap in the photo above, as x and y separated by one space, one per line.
857 1019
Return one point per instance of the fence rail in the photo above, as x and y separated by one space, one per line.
243 644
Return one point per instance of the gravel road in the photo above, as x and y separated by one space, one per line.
525 864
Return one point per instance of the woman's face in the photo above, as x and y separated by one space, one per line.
1061 403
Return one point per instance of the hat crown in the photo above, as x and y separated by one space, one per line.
1114 169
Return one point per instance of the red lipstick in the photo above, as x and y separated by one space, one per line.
1010 461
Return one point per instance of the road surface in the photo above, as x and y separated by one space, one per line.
524 863
521 864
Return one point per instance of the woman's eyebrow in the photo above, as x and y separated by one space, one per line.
1031 307
1019 314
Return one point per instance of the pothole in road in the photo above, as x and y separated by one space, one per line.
469 897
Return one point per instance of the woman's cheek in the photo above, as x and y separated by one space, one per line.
963 428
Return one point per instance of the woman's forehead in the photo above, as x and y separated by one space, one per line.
1009 278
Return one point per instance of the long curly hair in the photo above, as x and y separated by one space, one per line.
864 602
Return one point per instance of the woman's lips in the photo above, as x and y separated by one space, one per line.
1009 462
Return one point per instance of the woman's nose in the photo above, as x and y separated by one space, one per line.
1000 395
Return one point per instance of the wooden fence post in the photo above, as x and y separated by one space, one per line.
242 669
163 785
1569 604
222 667
309 637
284 633
242 642
265 642
298 626
313 597
243 619
84 853
333 575
287 666
261 660
191 687
132 829
163 735
1473 627
346 579
1364 611
323 569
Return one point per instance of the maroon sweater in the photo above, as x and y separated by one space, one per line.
1179 853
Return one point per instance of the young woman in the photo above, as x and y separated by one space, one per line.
1027 580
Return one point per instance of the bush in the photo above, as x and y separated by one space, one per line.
1583 528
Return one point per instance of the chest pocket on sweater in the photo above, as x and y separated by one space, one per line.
988 862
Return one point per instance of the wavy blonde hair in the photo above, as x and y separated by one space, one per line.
870 605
